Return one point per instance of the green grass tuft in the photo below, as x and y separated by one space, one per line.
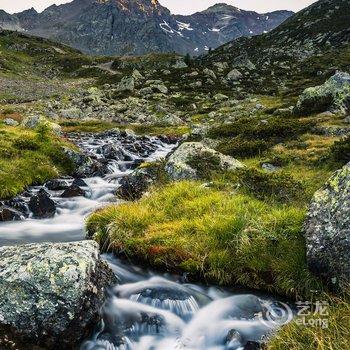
228 239
29 157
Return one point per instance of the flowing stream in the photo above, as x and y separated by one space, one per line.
146 311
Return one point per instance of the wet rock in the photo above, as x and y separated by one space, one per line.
185 162
56 185
252 345
132 187
19 204
9 214
80 183
85 165
333 95
41 205
73 191
233 340
51 294
111 151
327 230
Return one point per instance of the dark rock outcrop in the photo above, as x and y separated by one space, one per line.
51 294
9 214
73 191
41 205
56 185
132 187
327 230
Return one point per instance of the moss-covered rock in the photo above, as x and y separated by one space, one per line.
50 294
327 230
192 159
332 95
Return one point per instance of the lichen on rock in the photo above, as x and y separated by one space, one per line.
327 230
189 160
333 95
51 294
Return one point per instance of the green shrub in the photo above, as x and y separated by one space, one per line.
43 131
205 166
240 147
272 129
340 151
263 185
28 143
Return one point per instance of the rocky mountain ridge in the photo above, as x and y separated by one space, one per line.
123 27
298 52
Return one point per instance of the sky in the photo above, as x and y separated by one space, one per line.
176 6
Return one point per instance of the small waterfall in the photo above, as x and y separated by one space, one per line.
145 311
149 312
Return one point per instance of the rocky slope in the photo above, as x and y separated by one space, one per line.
306 49
140 26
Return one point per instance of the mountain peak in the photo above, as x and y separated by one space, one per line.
221 7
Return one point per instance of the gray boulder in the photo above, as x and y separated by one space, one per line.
51 294
333 95
10 122
180 65
188 161
126 84
71 113
34 121
233 75
327 230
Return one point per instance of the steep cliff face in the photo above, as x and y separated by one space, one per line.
112 27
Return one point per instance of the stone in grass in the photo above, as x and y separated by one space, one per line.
333 95
192 159
51 294
327 231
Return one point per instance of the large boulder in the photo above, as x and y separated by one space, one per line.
51 294
192 159
327 230
333 95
